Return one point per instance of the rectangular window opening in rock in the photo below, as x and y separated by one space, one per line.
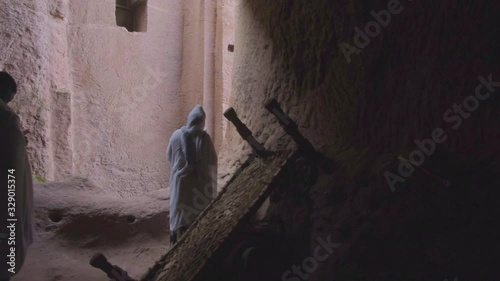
132 14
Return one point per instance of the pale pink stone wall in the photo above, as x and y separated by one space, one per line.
192 55
224 66
33 48
229 25
198 72
102 102
127 94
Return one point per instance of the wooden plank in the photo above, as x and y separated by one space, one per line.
207 234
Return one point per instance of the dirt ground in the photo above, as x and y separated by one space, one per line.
76 219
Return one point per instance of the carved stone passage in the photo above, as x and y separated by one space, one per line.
207 234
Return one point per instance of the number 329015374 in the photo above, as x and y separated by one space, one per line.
11 185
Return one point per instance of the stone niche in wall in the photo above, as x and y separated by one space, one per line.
132 14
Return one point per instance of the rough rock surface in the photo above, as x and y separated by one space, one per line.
101 102
75 219
125 101
32 48
394 90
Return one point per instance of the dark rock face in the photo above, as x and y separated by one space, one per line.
429 74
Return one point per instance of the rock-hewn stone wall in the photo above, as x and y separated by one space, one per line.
126 94
393 91
102 102
370 108
34 50
226 16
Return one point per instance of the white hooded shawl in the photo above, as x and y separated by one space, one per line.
13 156
193 179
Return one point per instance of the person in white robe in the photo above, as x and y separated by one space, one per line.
193 179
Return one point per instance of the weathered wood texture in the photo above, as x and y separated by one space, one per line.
208 233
